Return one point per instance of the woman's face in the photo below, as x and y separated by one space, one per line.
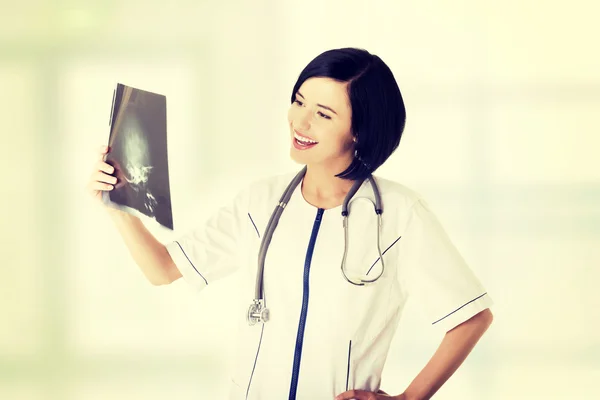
321 113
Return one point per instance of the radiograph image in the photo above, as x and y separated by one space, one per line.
138 152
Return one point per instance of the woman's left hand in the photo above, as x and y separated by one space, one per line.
364 395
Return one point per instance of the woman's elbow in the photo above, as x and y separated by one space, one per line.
483 320
487 316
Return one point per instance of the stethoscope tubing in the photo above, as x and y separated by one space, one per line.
258 311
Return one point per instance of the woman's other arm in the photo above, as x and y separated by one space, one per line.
150 255
453 350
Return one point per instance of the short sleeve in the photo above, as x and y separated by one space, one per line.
436 278
211 251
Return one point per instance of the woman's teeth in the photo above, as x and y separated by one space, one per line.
304 141
304 144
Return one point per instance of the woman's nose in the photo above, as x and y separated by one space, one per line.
302 120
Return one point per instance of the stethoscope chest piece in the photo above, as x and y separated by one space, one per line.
257 312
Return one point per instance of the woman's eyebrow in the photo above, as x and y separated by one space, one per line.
320 105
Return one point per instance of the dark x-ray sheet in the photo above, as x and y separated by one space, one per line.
138 152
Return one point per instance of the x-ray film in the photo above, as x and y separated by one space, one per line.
138 152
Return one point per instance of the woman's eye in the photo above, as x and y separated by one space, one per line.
323 115
298 102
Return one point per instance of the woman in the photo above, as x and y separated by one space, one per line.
327 336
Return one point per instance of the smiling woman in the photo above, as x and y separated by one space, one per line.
320 335
327 127
349 99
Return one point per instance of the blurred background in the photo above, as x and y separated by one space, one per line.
502 139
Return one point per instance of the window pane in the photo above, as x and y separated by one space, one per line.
21 393
20 309
544 290
523 44
545 142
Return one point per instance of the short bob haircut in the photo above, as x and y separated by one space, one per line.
378 113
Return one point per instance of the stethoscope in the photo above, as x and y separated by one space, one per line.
257 311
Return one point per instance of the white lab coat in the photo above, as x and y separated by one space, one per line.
324 335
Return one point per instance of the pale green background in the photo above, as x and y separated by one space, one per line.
502 139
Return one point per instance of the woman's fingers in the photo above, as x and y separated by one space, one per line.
96 186
100 176
102 166
101 179
358 395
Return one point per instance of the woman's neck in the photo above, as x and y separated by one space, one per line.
322 186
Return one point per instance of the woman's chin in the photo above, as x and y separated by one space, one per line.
297 158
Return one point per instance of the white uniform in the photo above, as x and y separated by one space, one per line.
325 335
